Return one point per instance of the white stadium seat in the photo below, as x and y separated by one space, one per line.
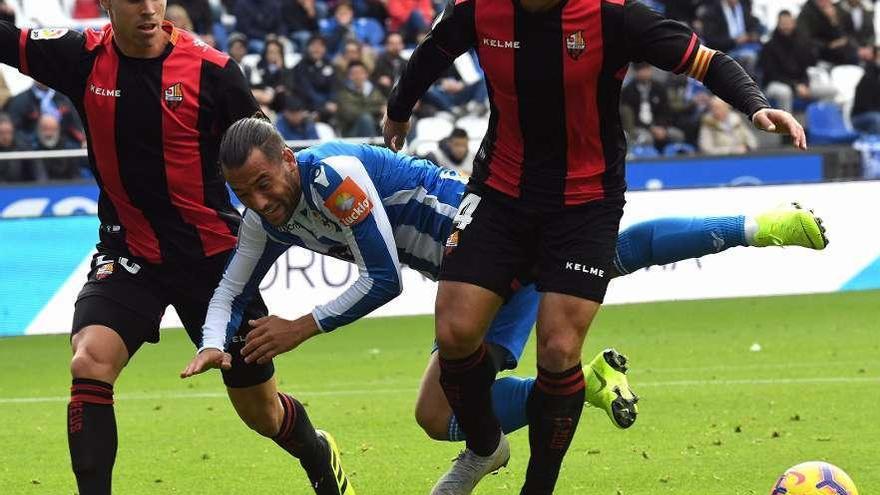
325 131
433 128
474 126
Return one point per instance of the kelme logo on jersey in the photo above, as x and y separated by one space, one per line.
349 203
575 44
174 96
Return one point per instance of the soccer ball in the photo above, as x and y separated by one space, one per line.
814 478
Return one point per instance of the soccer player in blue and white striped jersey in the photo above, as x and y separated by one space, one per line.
382 210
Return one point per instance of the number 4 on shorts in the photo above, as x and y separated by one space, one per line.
466 211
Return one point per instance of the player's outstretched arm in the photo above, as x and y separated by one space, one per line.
205 360
272 336
674 47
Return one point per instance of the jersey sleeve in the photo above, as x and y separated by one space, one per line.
49 55
234 93
254 255
664 43
452 34
672 46
344 192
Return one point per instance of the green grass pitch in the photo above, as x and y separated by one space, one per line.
716 418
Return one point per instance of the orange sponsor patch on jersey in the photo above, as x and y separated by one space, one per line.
349 203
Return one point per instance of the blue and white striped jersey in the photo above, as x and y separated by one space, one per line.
364 204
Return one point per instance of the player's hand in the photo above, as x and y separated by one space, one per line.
780 122
205 360
272 336
394 133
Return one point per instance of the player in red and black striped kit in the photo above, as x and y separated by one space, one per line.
155 101
546 195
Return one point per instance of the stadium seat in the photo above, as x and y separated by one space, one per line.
676 149
423 148
43 13
845 78
475 127
767 10
325 131
433 129
643 151
825 125
369 31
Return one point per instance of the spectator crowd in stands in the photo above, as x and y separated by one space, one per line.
325 68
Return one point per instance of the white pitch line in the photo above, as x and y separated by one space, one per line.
394 391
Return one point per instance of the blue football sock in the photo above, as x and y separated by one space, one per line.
509 397
667 240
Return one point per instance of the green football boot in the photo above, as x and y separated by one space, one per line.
608 388
333 481
790 225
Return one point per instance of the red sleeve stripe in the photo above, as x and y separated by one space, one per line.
687 54
22 52
701 63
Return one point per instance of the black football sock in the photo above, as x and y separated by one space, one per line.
298 437
91 435
467 384
554 409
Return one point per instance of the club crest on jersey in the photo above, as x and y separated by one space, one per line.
575 44
174 96
48 33
452 242
105 271
349 203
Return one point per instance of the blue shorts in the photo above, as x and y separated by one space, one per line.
513 323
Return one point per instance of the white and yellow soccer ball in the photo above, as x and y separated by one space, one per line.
814 478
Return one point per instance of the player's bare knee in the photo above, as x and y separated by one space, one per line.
559 351
88 364
456 337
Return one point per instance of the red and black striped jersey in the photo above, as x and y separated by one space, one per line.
153 127
554 81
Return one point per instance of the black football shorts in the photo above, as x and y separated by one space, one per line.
130 297
497 243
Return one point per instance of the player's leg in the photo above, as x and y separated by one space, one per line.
667 240
433 414
98 357
253 392
490 246
115 313
607 386
577 247
283 419
505 339
463 313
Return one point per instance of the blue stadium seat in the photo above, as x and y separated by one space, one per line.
644 151
825 125
368 31
675 149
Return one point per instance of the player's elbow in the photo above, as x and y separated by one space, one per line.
391 287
